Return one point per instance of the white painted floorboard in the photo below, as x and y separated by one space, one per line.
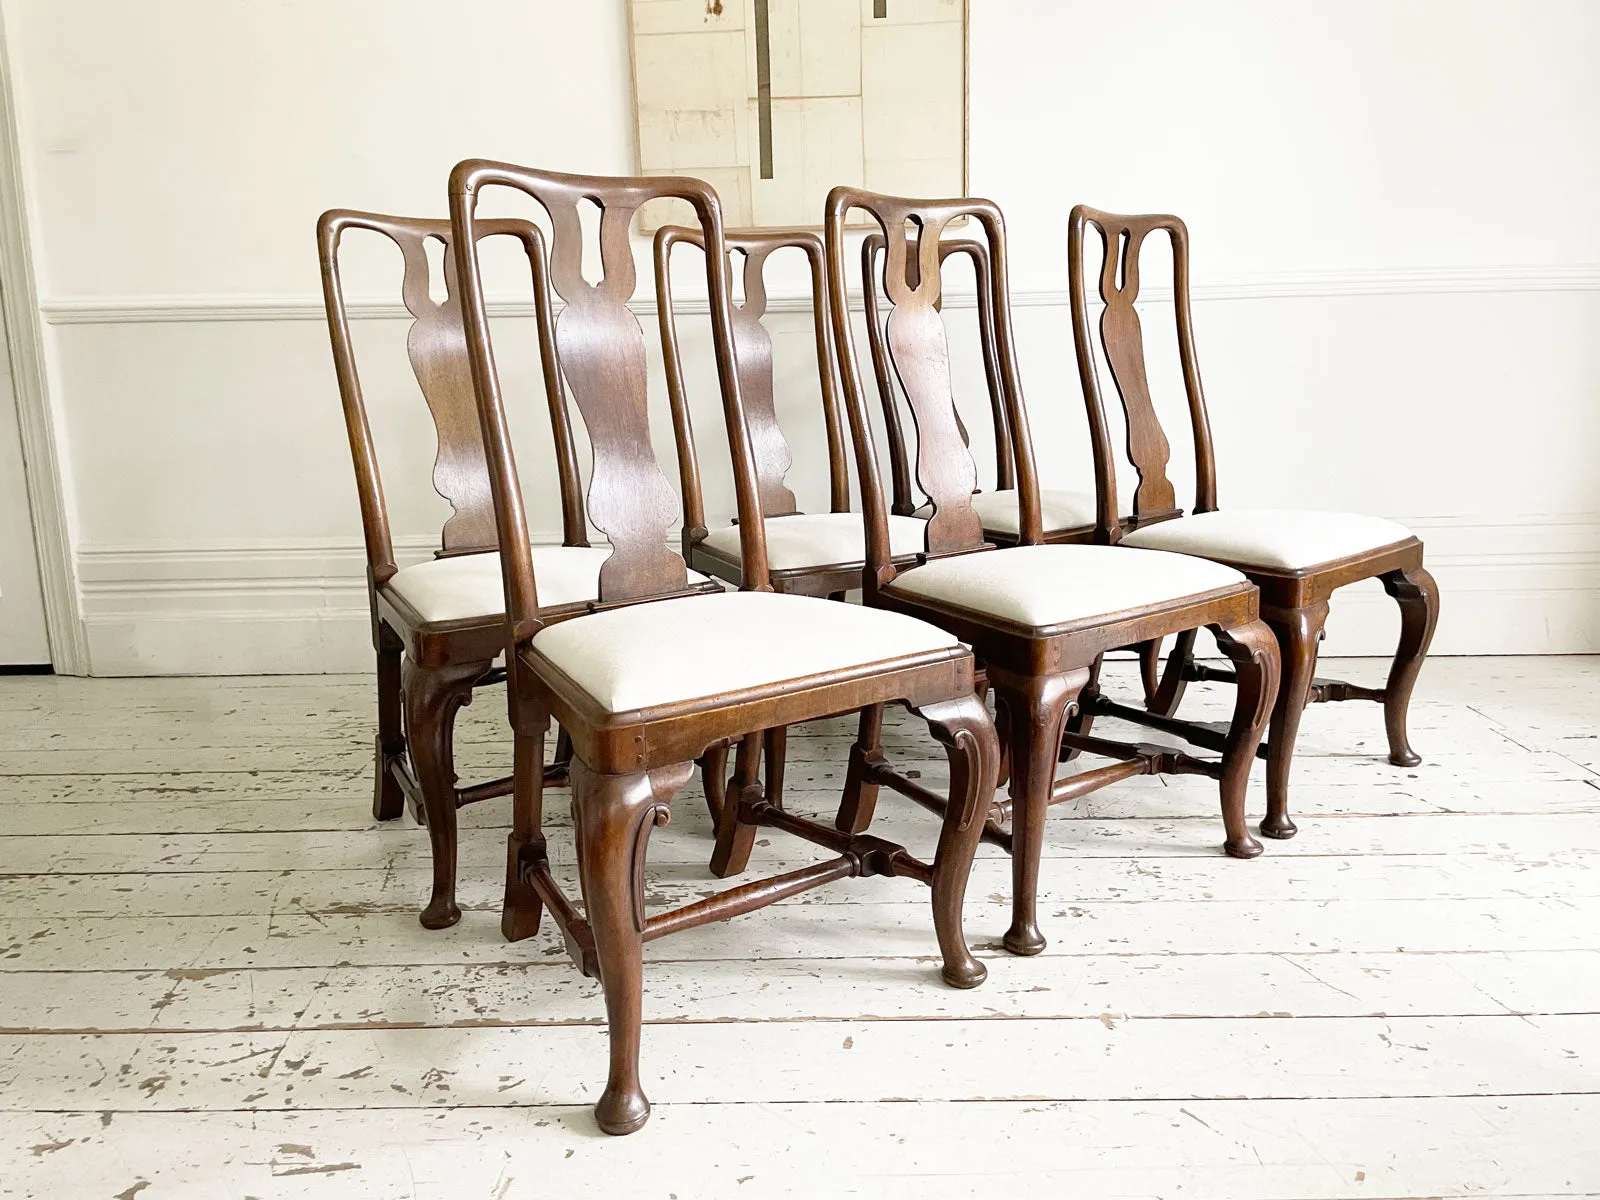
212 982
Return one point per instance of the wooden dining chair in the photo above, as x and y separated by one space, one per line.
655 675
808 554
1068 515
438 626
1037 615
1298 558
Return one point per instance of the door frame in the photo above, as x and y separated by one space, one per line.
42 458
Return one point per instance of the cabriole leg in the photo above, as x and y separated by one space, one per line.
1298 631
1418 597
613 816
714 780
433 697
1170 690
776 744
1002 724
735 836
1080 721
1150 669
388 800
964 729
1036 707
1254 652
860 793
525 846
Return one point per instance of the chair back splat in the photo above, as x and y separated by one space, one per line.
977 250
436 346
1122 341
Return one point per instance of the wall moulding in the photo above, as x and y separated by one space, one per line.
1581 277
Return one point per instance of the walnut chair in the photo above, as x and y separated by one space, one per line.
657 675
1297 558
808 554
1037 615
437 626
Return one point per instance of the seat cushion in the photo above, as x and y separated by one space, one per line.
695 647
1052 585
822 539
1058 509
466 586
1278 538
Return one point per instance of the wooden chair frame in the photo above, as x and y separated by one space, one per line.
1036 672
1293 603
427 670
627 766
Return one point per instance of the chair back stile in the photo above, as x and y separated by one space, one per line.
977 251
436 348
917 349
753 350
1018 432
694 504
828 375
600 347
369 480
1121 339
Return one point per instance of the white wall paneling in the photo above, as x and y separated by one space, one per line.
1397 278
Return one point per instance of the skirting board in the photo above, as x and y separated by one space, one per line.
1517 585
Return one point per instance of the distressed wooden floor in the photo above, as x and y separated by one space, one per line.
213 984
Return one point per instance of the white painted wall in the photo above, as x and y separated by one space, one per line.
1397 269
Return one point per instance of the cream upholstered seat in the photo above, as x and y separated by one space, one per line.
1054 585
1275 538
803 540
697 647
1059 510
464 586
